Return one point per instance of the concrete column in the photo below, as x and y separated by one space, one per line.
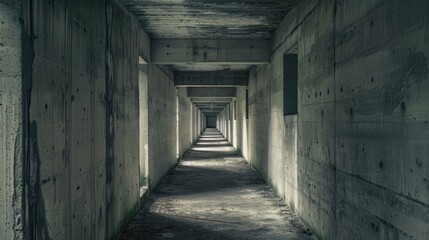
11 121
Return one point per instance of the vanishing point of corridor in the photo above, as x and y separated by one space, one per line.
214 194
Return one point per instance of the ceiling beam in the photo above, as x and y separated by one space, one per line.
211 114
222 51
211 111
210 105
211 100
211 78
209 92
211 108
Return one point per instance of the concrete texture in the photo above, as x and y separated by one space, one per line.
185 120
162 123
220 92
11 122
224 122
214 194
68 150
222 19
211 51
84 102
168 140
241 143
81 109
80 133
353 162
212 78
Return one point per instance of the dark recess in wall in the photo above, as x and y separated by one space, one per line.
290 84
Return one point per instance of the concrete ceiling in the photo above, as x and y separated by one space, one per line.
210 35
211 106
210 19
210 67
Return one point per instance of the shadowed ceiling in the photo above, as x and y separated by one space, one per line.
210 19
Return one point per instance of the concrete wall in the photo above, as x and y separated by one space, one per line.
85 119
354 162
223 123
122 117
185 134
11 121
241 130
67 116
81 109
382 143
232 127
162 122
169 139
198 122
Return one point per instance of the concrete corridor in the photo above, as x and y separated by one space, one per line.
318 108
214 194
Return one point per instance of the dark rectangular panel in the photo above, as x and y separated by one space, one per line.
290 84
211 121
247 104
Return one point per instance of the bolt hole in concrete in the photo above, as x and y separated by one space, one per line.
214 194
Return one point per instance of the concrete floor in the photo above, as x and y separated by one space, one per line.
214 194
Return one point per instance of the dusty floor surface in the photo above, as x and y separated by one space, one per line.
214 194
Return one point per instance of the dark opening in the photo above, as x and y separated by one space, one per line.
211 121
290 84
247 104
235 109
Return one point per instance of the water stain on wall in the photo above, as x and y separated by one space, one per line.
37 203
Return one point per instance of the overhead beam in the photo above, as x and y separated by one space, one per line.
211 78
213 108
212 99
209 92
211 111
221 51
211 105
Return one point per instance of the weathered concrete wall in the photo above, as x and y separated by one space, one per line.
185 134
11 121
162 122
225 122
222 123
382 114
122 59
84 153
67 116
241 123
353 162
316 120
198 123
